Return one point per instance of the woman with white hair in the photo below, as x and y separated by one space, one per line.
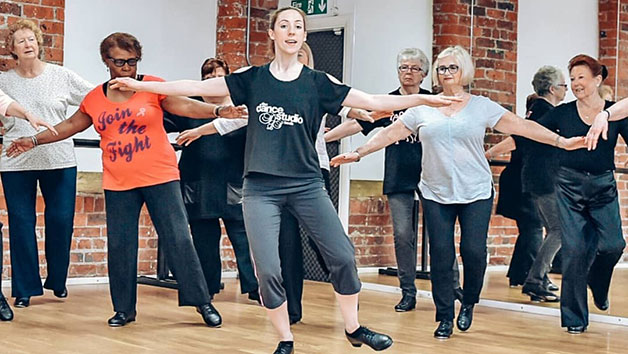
456 180
402 171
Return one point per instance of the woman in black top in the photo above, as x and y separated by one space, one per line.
211 183
586 192
286 102
534 191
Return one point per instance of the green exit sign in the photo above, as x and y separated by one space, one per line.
311 7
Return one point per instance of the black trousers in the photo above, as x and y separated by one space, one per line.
206 234
527 246
592 240
167 212
440 220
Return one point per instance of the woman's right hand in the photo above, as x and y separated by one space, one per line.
19 146
188 136
347 157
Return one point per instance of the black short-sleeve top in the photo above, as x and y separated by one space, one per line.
565 120
284 118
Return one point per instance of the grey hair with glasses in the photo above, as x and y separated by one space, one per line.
546 77
414 54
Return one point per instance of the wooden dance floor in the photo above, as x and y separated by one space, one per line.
78 325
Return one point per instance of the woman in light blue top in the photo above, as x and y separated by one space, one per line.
456 180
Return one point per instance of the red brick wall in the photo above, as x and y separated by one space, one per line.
231 32
614 53
49 15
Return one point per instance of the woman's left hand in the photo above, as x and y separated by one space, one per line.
575 143
599 126
233 112
37 123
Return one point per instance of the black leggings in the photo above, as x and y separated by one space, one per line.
440 220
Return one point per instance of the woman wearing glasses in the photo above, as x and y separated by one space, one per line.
538 168
456 180
139 166
402 171
46 90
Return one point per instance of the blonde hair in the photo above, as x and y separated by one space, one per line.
273 19
464 61
606 92
310 57
20 25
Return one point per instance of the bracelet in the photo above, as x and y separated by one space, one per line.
34 140
357 153
557 141
608 114
217 110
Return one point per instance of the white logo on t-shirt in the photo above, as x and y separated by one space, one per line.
275 117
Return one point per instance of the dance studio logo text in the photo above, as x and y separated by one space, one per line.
275 117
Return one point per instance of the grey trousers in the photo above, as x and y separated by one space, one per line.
548 210
405 214
311 205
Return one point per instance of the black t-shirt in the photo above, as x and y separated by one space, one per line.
402 163
284 119
211 168
539 161
565 120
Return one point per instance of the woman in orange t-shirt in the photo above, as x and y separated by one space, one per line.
139 166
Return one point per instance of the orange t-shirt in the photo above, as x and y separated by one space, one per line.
135 148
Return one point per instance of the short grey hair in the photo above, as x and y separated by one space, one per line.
546 77
464 61
414 54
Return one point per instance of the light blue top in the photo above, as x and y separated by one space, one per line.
455 170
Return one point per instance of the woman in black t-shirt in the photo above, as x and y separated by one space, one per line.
286 102
586 193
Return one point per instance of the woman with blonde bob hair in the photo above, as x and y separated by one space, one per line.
456 180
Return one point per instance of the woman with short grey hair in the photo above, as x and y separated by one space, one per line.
414 54
537 163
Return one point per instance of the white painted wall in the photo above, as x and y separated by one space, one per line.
551 33
176 37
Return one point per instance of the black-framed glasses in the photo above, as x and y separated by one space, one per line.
120 62
562 85
453 68
413 69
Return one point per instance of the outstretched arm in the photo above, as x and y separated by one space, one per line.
509 123
346 128
220 126
618 111
359 99
78 122
190 108
216 87
389 135
16 110
504 146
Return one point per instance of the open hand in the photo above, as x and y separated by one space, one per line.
20 146
575 143
439 100
125 84
188 136
37 123
347 157
599 127
233 112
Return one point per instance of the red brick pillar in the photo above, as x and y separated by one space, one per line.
614 53
231 31
48 14
492 42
